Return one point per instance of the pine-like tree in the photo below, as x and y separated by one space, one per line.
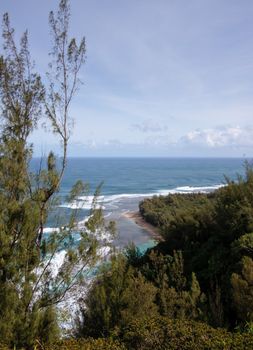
242 290
29 288
118 296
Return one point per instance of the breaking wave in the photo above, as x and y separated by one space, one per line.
103 201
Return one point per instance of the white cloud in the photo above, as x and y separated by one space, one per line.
112 142
149 125
220 137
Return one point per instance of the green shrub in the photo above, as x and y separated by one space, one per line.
163 333
87 344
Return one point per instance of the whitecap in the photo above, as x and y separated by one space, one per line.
78 204
191 189
51 229
109 201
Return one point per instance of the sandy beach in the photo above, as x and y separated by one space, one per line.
138 219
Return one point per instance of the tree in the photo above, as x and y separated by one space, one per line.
242 290
29 287
118 296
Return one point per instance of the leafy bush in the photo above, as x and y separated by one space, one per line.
163 333
82 344
87 344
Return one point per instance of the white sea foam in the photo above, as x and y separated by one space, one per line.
183 189
103 252
57 262
191 189
86 202
80 204
51 229
104 236
81 224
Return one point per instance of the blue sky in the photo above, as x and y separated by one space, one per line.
162 78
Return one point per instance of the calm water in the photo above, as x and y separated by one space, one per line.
127 180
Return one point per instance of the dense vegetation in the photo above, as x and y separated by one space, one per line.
214 234
159 333
194 290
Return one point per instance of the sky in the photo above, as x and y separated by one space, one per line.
162 78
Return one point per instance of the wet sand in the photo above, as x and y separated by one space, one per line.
138 219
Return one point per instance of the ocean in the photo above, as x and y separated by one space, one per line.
126 181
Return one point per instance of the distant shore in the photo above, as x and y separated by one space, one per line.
138 219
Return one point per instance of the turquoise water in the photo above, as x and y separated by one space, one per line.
128 180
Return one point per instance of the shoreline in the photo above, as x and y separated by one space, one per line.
138 219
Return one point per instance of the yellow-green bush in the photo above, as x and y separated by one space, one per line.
164 333
160 333
86 344
82 344
3 347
